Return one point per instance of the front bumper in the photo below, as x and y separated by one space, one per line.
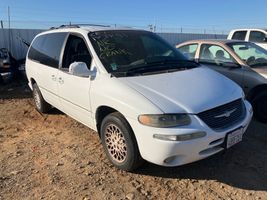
175 153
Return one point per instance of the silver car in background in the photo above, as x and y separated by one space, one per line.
243 62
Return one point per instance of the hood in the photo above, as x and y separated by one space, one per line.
188 91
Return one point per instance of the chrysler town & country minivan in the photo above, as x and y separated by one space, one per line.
143 97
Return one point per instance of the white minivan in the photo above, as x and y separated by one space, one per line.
257 36
144 98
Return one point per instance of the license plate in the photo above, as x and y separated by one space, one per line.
234 138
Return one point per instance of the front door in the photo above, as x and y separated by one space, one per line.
74 91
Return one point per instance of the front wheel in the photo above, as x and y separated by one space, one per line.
119 142
260 107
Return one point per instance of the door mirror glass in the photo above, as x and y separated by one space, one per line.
80 69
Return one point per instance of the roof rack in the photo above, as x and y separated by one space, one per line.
66 26
100 25
78 26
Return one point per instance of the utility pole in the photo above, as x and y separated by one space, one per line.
9 33
155 26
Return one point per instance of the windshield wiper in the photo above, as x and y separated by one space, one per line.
146 71
152 67
160 60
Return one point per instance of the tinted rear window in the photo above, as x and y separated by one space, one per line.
239 35
46 49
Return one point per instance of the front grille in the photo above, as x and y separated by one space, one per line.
224 116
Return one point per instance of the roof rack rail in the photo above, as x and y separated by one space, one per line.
101 25
66 26
78 26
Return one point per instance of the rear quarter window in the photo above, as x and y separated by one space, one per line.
46 49
189 50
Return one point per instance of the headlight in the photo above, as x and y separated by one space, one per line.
164 120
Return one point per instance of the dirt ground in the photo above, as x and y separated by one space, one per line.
54 157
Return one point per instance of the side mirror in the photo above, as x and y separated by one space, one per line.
80 69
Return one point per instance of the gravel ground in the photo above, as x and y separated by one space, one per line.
54 157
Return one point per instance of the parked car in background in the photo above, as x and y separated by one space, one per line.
258 36
243 62
145 99
8 64
5 60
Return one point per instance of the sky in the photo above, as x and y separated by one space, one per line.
171 15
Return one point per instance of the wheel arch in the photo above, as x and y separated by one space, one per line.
256 91
102 112
32 81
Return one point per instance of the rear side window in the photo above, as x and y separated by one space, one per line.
257 36
239 35
189 50
46 49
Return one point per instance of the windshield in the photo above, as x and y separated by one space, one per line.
252 54
124 51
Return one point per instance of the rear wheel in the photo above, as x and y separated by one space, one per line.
119 142
260 107
41 105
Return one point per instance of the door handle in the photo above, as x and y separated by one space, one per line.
54 78
60 80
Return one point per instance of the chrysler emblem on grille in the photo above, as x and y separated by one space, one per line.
226 113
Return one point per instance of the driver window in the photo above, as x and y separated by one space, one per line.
76 51
257 36
214 54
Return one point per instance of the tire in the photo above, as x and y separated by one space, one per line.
260 107
41 105
119 142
